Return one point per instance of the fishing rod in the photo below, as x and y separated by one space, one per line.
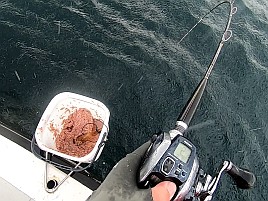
189 110
172 157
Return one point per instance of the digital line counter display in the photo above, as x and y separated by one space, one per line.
182 152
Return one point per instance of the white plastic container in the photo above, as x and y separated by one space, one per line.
59 108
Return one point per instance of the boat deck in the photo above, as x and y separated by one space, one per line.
9 192
22 175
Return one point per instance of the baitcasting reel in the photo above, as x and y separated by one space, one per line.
176 160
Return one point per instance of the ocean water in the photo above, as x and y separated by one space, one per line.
126 54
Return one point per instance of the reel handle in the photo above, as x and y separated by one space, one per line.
243 178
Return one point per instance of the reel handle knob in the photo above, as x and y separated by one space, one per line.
243 178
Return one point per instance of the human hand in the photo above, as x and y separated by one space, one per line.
163 191
121 183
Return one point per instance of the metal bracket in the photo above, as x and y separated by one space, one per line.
54 184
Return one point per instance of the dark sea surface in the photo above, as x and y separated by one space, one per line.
126 54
